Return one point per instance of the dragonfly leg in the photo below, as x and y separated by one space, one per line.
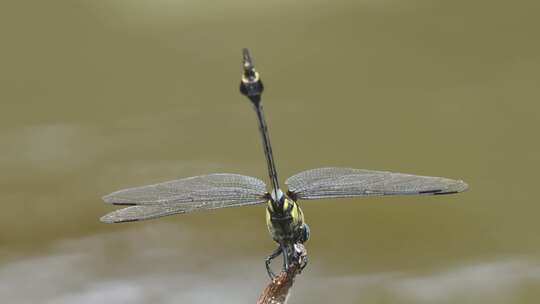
300 255
269 259
304 262
286 253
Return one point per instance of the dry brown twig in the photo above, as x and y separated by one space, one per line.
277 291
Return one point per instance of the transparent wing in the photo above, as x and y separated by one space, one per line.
186 195
139 213
345 182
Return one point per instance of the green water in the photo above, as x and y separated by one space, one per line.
102 95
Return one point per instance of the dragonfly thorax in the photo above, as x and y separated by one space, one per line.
285 219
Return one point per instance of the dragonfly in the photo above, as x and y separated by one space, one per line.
284 217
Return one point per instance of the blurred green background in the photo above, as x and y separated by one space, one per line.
96 96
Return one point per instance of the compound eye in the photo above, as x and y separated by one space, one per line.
304 233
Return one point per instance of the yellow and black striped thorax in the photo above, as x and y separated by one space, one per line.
284 220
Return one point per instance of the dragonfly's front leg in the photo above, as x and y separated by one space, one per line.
269 259
304 262
286 254
300 255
